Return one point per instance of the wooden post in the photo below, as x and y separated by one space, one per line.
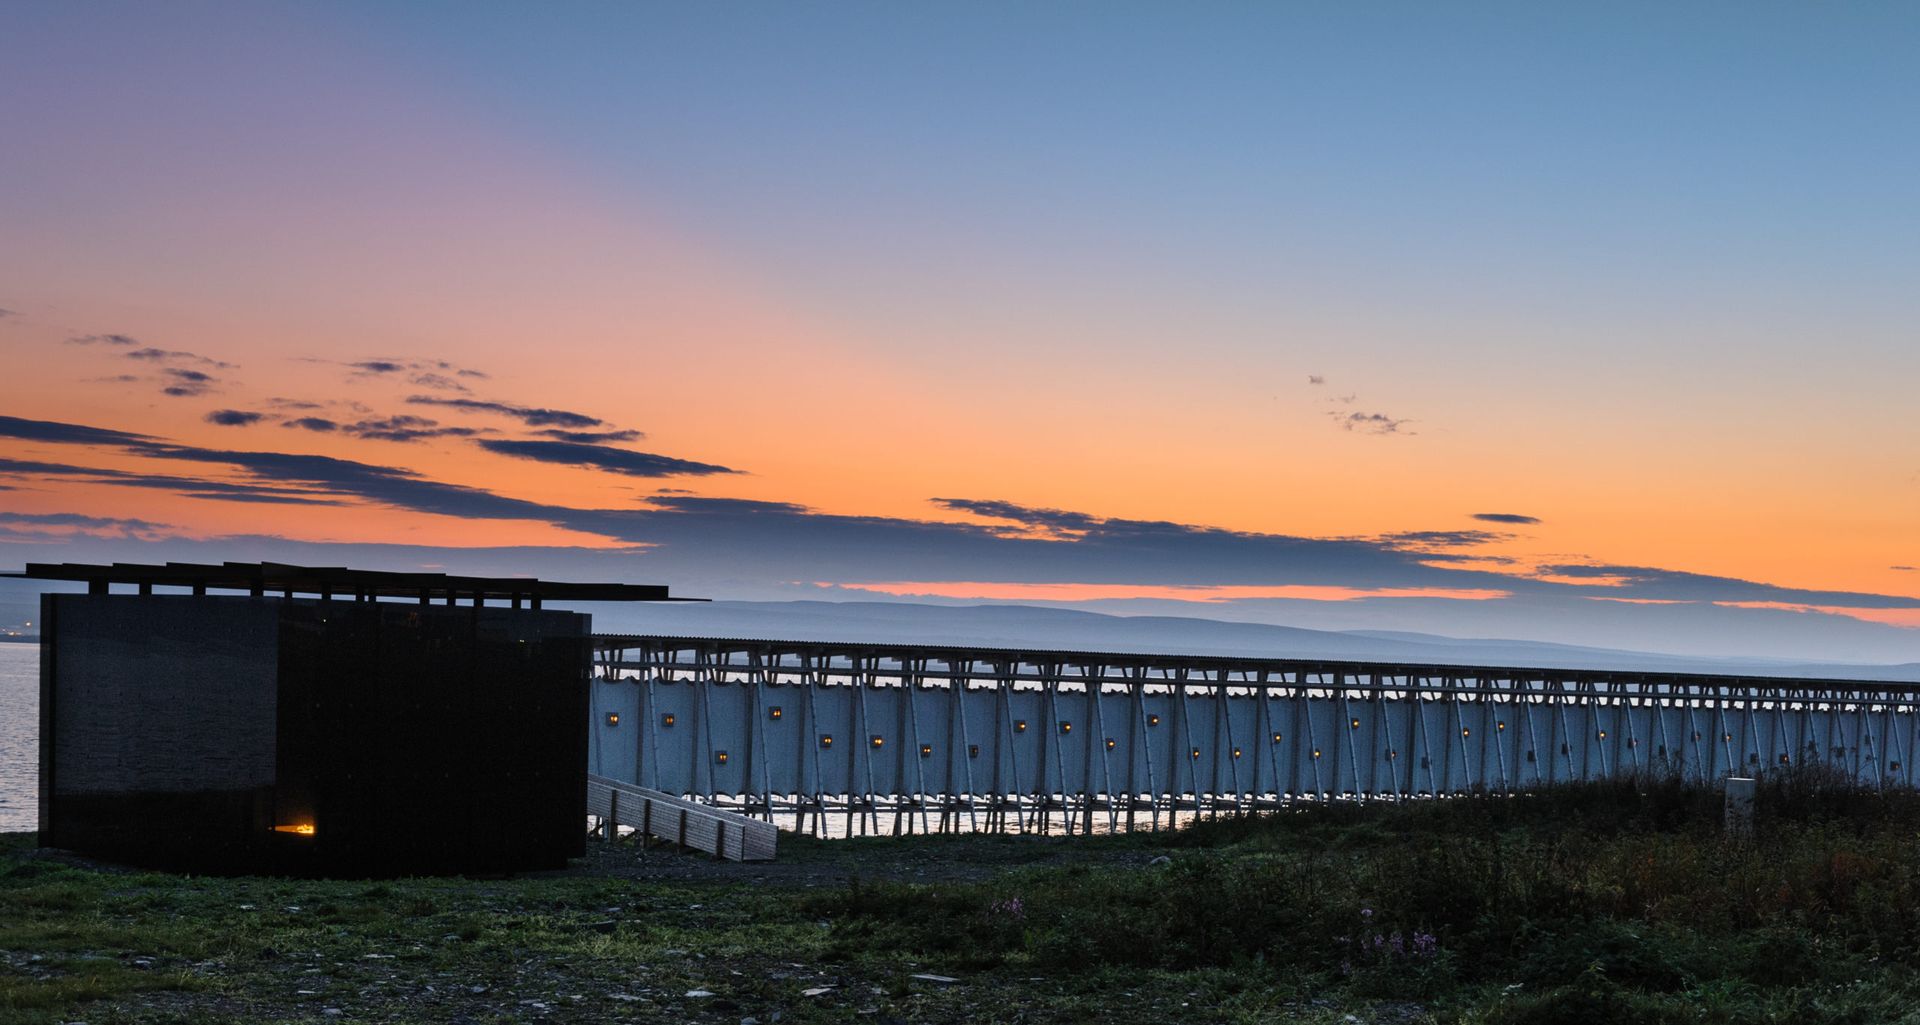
1740 807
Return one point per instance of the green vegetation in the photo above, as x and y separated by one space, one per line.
1609 902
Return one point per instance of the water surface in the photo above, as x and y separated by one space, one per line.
19 737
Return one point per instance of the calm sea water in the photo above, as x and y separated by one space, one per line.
19 737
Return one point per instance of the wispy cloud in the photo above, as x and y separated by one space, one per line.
1316 379
153 355
615 460
317 424
1423 540
1052 522
530 415
432 370
1513 518
234 417
590 437
187 383
103 340
189 487
1370 423
92 526
438 382
67 434
404 428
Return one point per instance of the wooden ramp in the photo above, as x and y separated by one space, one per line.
660 816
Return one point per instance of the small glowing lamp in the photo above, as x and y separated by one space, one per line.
877 740
926 750
666 719
1196 752
826 740
1065 727
1153 720
613 718
1276 738
1019 726
720 757
1110 744
774 713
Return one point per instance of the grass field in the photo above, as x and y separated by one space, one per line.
1609 902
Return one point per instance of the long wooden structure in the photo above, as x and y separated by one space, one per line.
846 738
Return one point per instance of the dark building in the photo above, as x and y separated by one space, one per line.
305 725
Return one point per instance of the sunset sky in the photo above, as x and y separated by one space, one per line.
1479 319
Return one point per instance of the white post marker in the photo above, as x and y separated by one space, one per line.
1739 806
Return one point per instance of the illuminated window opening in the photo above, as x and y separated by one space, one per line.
298 829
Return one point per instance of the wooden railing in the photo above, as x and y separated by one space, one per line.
658 816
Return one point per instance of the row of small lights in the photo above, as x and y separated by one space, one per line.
1066 727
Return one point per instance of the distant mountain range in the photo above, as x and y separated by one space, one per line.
1031 626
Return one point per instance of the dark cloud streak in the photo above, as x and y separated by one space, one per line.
613 460
531 416
1513 518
